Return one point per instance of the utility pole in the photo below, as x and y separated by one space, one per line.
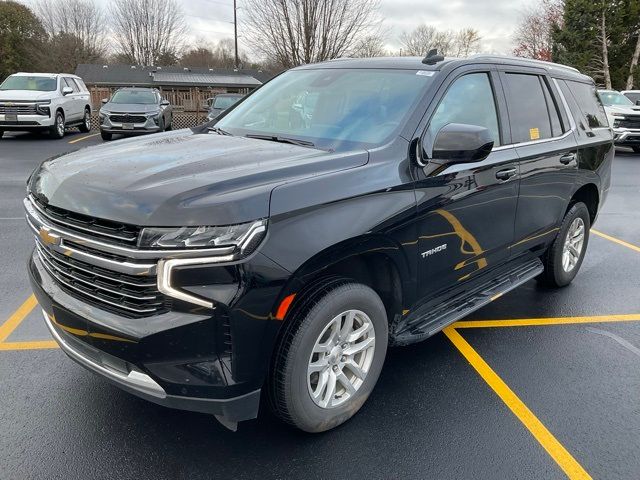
235 32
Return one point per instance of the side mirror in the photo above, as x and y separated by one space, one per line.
637 102
165 103
67 90
461 143
105 101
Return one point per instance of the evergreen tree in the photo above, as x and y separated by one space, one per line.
21 39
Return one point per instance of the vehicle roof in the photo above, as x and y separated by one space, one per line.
415 63
629 91
229 95
607 90
27 74
138 88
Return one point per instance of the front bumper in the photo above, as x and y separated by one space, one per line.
133 360
25 122
142 385
107 125
626 137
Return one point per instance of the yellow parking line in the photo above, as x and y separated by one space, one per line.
554 448
616 240
38 345
531 322
83 138
14 320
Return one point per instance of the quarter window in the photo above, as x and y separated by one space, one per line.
529 113
589 102
469 100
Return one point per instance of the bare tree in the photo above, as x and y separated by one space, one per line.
77 31
419 41
467 41
533 36
295 32
604 43
369 46
147 31
634 64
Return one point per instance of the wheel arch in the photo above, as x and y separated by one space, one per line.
587 194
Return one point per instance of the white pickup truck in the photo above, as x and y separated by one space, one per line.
44 101
624 118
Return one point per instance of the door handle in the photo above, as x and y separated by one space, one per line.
506 174
567 158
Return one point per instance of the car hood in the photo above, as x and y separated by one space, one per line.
180 178
129 108
25 95
622 109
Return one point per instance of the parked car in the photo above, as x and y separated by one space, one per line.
50 102
222 102
135 110
633 95
204 268
624 118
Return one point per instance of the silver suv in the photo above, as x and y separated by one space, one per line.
44 101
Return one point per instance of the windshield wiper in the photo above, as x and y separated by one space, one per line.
220 131
276 138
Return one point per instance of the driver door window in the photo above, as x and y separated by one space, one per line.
469 100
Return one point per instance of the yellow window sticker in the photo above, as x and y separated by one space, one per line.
534 133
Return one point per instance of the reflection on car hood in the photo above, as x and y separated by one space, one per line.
180 178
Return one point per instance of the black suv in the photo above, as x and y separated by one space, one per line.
281 254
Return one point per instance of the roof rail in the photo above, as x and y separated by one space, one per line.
529 60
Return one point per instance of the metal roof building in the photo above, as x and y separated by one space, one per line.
169 77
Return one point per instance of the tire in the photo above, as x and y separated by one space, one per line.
1 134
57 129
161 125
106 136
556 272
85 126
636 149
312 322
169 127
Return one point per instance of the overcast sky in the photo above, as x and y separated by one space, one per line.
212 20
495 19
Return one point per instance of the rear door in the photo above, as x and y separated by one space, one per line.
466 212
543 136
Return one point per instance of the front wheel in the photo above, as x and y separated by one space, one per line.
636 149
57 129
106 136
85 126
1 133
565 255
329 358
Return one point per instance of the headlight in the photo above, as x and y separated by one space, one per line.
42 107
617 114
245 236
153 114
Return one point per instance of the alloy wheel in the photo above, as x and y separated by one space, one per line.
341 359
573 243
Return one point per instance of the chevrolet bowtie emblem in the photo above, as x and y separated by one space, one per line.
47 237
9 104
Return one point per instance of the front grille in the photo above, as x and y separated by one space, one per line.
128 118
629 122
127 295
18 109
105 230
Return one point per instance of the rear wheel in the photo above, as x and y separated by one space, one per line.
57 129
565 255
329 358
85 126
106 136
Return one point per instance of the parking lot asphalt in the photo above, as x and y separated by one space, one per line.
538 384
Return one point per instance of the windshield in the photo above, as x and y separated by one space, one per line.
143 97
225 102
332 108
614 98
23 82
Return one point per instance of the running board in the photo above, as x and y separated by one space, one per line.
430 318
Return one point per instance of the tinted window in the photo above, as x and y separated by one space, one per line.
528 112
68 82
24 82
589 102
469 100
634 97
552 108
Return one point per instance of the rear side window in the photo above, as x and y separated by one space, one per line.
589 102
532 110
469 100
